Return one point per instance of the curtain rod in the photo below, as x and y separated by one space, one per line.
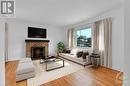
89 23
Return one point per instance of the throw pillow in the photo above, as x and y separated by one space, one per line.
64 51
79 54
85 54
74 51
68 51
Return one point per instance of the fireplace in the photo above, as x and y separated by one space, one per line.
36 49
37 53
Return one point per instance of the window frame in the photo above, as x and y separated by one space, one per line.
75 35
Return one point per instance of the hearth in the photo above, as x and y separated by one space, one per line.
37 53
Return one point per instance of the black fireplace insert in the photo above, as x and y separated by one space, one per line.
37 53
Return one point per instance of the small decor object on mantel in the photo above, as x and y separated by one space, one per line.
60 47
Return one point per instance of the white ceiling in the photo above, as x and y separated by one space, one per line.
61 12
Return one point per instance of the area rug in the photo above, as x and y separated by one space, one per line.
43 76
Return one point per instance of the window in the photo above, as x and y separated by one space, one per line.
83 37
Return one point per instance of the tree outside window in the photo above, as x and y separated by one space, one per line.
83 37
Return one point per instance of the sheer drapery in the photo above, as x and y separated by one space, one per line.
6 42
102 36
70 38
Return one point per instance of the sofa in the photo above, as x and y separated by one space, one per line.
83 58
25 69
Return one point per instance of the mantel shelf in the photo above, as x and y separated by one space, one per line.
36 40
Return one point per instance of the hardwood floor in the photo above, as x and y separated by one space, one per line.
87 77
22 83
10 73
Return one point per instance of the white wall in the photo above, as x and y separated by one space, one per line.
2 39
18 33
127 44
117 37
117 34
2 62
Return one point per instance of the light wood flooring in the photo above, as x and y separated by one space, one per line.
87 77
10 74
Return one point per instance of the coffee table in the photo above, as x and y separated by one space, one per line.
54 63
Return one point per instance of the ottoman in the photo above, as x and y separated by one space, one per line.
25 70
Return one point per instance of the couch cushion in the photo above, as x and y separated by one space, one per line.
74 51
73 58
25 67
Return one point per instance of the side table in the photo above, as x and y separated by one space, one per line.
95 59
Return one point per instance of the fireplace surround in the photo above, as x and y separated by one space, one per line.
36 49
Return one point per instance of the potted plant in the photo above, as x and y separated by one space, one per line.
60 47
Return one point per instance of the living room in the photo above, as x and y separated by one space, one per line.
62 22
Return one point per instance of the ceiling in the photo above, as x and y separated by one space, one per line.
61 12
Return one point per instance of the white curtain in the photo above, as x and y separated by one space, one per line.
102 36
6 42
70 38
95 37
